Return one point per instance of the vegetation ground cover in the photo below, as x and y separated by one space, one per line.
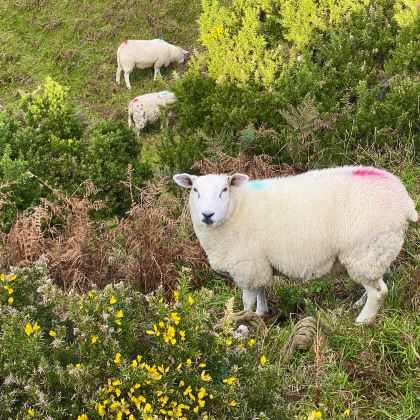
274 87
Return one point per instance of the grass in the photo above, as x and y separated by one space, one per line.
76 42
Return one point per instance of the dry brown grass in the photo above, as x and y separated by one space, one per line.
141 249
256 167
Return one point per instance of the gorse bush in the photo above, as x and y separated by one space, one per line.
112 157
347 78
52 143
116 353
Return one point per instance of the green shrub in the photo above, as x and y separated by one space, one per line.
112 156
353 84
115 352
52 148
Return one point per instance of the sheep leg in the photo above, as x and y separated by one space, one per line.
375 297
127 79
157 73
118 75
262 308
249 297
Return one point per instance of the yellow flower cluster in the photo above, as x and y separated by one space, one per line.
7 287
314 415
30 329
168 331
214 34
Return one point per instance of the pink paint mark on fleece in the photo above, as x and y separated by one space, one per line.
125 42
134 100
369 172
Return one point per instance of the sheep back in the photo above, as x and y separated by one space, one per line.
147 53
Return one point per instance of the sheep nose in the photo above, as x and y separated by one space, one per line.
207 218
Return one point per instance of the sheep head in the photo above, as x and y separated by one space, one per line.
209 196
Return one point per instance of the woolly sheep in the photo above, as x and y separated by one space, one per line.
144 54
144 109
302 226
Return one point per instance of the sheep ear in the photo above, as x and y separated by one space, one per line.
237 179
184 180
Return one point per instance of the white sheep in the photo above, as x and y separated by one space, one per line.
144 109
301 226
145 54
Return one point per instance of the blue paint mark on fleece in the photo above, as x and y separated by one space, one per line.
258 185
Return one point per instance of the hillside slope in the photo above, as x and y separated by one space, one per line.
75 43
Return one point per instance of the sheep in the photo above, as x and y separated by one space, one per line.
145 54
302 226
144 109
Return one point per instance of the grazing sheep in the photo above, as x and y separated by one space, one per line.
144 109
301 226
144 54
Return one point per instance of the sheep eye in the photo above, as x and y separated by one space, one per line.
225 189
196 191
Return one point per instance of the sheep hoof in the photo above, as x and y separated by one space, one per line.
364 321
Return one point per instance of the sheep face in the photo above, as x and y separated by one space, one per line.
209 196
181 55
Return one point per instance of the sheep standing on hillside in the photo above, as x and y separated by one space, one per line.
144 54
144 109
301 226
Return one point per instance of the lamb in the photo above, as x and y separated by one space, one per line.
303 226
144 109
145 54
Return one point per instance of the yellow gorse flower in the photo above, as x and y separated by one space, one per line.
175 317
251 342
117 358
52 333
113 300
263 360
94 339
30 329
100 409
229 381
82 417
176 295
346 412
31 412
190 300
10 300
232 403
169 335
205 376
